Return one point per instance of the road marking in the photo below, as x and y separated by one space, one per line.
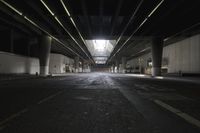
49 97
11 118
2 123
185 116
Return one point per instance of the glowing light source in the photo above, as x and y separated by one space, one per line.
100 49
11 7
100 45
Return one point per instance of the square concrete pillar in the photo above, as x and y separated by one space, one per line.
123 65
157 50
76 64
44 54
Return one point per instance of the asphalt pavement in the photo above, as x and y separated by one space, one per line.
99 103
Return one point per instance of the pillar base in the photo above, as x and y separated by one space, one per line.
76 70
44 70
123 71
156 71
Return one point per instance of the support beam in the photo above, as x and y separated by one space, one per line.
16 25
87 18
115 17
142 23
63 26
157 50
18 17
41 13
44 54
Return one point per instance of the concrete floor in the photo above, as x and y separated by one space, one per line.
99 103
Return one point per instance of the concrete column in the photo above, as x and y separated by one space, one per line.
113 68
84 66
110 69
77 64
88 67
123 65
44 54
117 65
157 49
81 66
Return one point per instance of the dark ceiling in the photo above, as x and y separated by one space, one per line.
102 19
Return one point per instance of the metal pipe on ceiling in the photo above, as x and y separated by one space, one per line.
71 19
143 22
56 18
37 26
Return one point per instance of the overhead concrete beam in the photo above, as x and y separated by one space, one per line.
19 19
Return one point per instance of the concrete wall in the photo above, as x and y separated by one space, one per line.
86 69
60 64
139 64
16 64
181 56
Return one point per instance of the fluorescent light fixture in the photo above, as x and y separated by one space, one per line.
56 39
65 8
71 19
143 22
73 22
11 7
56 18
33 23
47 7
155 8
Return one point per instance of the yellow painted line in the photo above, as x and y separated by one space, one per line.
11 118
49 97
181 114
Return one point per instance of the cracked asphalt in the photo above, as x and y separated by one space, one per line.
96 103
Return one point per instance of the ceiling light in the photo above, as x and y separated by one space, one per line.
11 7
47 7
65 8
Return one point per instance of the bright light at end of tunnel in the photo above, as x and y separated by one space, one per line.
100 44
